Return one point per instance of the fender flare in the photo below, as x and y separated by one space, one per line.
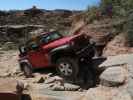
61 48
60 51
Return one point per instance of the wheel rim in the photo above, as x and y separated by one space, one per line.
65 68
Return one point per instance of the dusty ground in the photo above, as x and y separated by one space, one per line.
38 90
10 71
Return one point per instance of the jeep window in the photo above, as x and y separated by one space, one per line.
50 37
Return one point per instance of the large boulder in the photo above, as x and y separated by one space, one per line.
106 93
130 70
117 46
123 59
130 86
53 79
8 85
100 93
122 95
65 87
113 76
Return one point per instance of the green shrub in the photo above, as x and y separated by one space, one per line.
129 30
120 10
119 7
91 14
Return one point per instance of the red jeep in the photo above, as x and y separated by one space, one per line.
53 49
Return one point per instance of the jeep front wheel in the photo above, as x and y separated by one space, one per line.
27 70
67 67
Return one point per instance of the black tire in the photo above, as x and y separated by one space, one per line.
87 73
27 70
71 71
89 80
26 97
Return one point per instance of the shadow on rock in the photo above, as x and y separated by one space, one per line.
90 72
26 97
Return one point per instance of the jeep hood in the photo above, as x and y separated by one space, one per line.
60 42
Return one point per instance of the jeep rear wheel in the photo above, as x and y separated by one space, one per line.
67 67
27 70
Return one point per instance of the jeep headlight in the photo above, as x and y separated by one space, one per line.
92 42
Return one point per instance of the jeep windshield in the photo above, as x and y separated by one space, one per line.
49 37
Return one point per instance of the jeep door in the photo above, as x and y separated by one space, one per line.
36 56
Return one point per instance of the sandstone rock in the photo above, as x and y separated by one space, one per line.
19 87
122 95
16 72
39 79
106 93
53 79
36 74
71 87
130 70
4 75
65 87
113 76
26 86
116 46
117 60
130 86
7 85
130 80
58 88
97 94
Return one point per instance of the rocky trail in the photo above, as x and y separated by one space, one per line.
42 85
116 80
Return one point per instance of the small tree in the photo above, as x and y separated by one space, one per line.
92 13
119 7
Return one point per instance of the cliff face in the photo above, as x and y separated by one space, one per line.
107 32
34 16
17 25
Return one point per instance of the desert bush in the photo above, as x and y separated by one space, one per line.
119 7
117 10
129 30
9 46
113 8
92 14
